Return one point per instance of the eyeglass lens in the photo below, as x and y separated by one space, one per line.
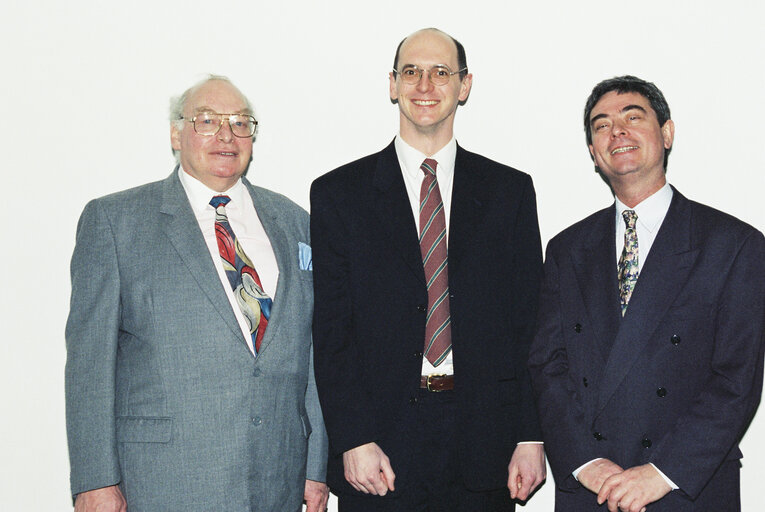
208 123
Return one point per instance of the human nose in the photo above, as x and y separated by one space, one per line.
424 84
224 133
618 129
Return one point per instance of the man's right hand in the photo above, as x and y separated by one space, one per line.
106 499
368 469
596 472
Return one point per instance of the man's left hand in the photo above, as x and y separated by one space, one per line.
526 470
316 496
633 489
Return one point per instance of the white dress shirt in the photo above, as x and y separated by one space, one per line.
249 232
650 215
410 160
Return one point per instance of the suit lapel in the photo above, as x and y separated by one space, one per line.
182 230
661 278
467 209
595 268
395 212
268 215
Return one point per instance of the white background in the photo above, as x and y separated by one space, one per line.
85 88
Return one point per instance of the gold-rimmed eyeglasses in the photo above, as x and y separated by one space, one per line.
438 75
210 123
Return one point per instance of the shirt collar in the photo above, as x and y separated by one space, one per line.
413 158
650 211
200 194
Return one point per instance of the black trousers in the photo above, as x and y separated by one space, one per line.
434 481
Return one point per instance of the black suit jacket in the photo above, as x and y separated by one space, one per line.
369 323
677 379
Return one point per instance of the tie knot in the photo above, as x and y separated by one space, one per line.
219 200
429 166
630 217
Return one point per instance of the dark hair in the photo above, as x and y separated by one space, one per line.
461 57
628 83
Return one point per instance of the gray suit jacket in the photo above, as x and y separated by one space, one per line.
163 395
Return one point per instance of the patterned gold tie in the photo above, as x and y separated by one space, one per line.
438 331
628 262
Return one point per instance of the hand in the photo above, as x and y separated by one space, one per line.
526 470
106 499
633 489
316 496
596 472
368 469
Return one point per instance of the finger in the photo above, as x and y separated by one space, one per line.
513 482
605 489
387 473
525 486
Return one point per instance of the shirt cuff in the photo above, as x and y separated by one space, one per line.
578 470
531 442
669 482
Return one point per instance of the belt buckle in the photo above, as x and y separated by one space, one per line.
429 379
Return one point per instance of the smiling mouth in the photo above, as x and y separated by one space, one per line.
425 103
623 149
225 153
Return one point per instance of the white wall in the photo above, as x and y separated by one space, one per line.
85 88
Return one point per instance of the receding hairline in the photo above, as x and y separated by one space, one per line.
433 30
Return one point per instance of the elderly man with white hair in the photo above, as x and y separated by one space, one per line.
189 375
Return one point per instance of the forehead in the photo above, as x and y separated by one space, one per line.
614 102
216 95
428 48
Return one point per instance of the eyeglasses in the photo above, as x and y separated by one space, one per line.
210 123
438 75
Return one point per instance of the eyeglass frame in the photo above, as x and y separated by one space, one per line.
226 117
430 77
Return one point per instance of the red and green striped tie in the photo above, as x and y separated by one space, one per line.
438 332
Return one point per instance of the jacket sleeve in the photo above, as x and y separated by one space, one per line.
348 414
702 437
567 442
91 342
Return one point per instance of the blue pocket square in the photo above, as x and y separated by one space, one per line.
304 256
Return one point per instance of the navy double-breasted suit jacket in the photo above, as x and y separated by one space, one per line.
370 297
675 381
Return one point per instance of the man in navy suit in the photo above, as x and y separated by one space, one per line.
421 366
647 363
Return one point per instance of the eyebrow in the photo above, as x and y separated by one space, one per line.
622 111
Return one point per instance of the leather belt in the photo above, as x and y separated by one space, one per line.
437 382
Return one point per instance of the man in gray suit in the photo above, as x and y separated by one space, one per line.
189 375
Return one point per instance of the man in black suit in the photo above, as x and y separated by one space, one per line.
648 360
420 358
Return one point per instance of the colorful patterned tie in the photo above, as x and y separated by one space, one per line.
252 300
438 331
628 262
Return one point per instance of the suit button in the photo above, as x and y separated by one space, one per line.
584 381
256 420
256 372
422 309
661 392
598 436
646 442
578 327
675 339
413 400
